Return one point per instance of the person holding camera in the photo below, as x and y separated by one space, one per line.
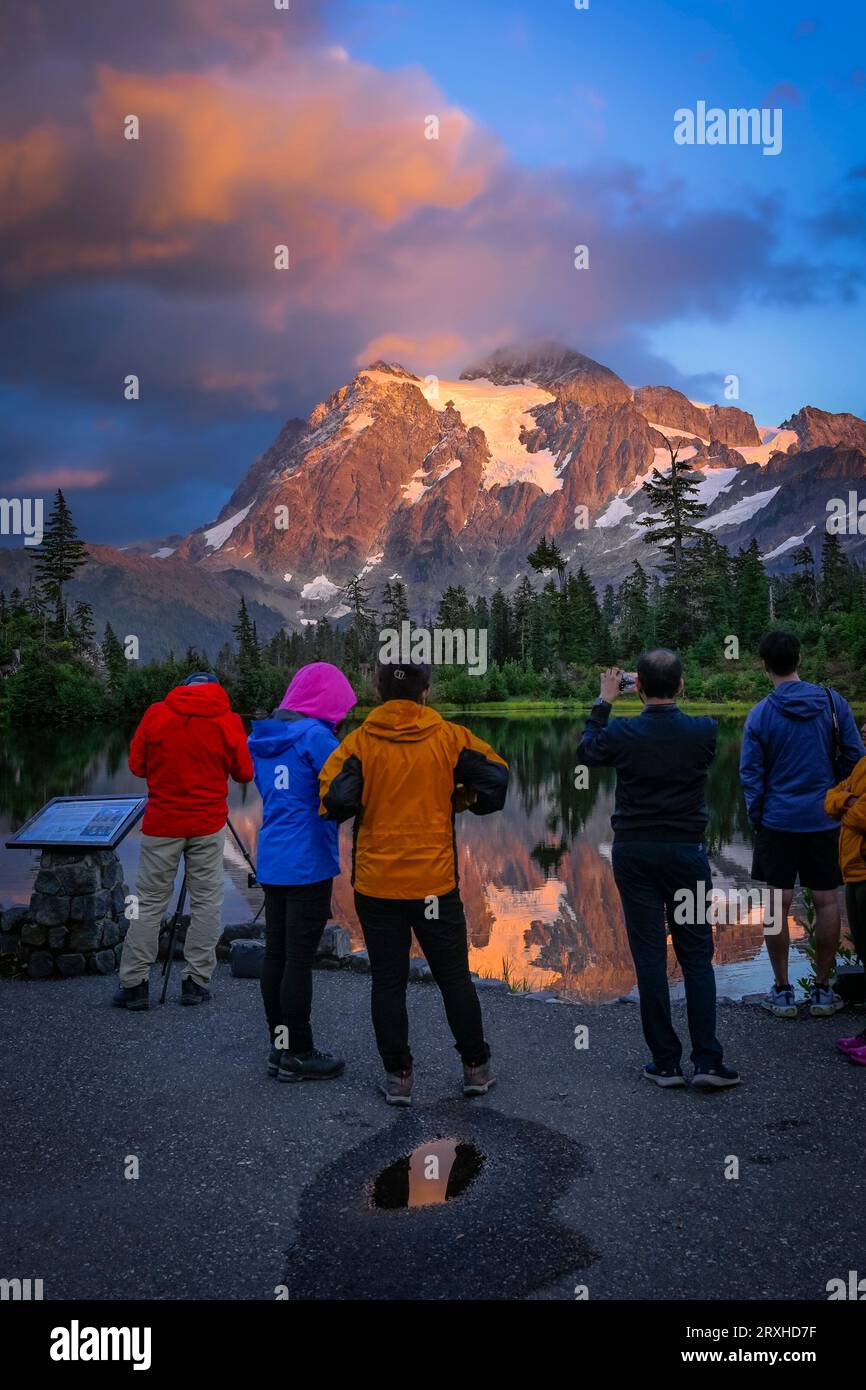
659 859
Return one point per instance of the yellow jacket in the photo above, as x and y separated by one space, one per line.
403 774
852 841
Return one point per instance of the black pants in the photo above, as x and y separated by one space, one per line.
294 921
388 924
648 874
855 906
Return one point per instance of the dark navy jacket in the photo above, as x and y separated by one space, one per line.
786 762
661 758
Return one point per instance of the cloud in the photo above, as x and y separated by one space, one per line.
156 256
69 479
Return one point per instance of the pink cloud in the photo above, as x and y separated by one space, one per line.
48 479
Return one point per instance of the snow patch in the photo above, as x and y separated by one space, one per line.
714 481
790 544
320 588
616 511
500 411
287 577
741 511
163 553
217 535
774 441
670 433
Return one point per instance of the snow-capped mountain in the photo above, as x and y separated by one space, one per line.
444 482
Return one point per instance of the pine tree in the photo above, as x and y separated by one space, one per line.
395 604
751 595
836 585
114 658
548 556
361 634
58 557
673 495
249 660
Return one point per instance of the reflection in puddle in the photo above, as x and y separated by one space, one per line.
433 1173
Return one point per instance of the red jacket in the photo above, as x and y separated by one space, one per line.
187 746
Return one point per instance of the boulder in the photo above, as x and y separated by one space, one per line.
71 964
40 966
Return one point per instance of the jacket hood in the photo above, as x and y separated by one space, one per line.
402 721
800 700
320 690
198 701
271 737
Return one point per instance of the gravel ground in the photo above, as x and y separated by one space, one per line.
591 1178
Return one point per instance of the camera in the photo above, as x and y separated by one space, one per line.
628 681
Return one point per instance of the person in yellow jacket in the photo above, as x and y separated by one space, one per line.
847 803
402 775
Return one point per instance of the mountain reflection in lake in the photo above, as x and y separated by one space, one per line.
536 879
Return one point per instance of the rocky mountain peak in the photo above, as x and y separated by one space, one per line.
562 371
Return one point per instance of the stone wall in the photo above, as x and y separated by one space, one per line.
75 922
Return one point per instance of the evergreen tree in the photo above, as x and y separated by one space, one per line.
548 556
58 557
751 595
114 658
836 585
249 661
361 633
395 604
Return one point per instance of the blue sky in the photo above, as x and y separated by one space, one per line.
557 128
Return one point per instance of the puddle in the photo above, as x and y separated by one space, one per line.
430 1175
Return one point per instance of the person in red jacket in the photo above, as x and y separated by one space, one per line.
186 746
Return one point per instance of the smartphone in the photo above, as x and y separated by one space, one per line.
628 681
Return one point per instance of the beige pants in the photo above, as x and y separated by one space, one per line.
157 870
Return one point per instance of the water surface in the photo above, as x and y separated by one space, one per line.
541 903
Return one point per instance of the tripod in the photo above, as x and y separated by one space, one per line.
181 899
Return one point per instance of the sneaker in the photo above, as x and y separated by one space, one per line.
859 1056
780 1002
854 1044
192 993
309 1066
397 1087
713 1078
136 998
825 1002
664 1076
273 1061
477 1080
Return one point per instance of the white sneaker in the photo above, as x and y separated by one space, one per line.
780 1002
825 1002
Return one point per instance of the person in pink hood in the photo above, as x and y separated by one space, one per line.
297 858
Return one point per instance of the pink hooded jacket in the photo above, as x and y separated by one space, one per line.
321 691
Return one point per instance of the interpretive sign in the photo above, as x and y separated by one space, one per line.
80 823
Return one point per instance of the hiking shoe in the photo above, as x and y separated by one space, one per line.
136 998
273 1061
859 1056
192 993
397 1087
780 1002
477 1080
854 1044
825 1002
713 1078
670 1076
309 1066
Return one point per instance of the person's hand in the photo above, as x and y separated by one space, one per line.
610 680
463 798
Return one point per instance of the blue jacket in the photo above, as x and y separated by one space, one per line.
296 845
661 757
786 761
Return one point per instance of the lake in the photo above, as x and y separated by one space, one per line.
541 902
